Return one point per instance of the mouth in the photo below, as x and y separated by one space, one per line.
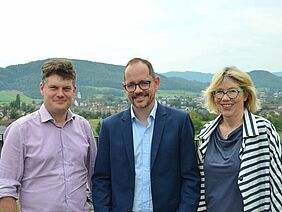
139 96
227 105
60 101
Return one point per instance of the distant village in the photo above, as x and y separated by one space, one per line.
100 108
271 103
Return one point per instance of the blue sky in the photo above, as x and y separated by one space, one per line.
175 35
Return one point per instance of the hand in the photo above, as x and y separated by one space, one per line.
8 204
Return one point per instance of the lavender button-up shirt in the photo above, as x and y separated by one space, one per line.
47 167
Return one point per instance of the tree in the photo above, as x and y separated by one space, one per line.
196 119
18 101
98 127
14 114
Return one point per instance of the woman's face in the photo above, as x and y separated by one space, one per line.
229 99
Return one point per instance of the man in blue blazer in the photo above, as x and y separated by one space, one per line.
146 158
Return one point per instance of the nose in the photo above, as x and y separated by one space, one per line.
225 96
138 89
60 93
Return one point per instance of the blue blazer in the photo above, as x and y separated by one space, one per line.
175 177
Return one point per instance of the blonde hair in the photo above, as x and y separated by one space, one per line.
244 81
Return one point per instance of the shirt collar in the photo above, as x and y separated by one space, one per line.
152 114
46 116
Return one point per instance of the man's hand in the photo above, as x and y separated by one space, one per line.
8 204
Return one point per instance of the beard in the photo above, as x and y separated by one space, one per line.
142 100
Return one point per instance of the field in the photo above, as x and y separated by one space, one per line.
9 96
175 93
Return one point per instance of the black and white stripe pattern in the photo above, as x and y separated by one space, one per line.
260 177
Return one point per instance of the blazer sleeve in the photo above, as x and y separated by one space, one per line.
101 180
190 192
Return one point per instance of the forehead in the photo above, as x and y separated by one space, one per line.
228 83
136 72
58 80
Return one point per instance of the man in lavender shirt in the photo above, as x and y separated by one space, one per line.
48 156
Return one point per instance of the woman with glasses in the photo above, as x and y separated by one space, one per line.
239 152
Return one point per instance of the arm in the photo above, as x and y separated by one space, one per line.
190 191
91 156
101 180
8 204
11 164
275 170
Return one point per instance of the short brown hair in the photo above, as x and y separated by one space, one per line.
61 67
146 62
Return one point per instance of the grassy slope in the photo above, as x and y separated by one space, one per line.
9 96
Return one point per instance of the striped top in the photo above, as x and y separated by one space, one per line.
260 176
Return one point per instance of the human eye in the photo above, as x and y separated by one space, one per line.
130 86
144 83
52 87
67 89
232 91
219 92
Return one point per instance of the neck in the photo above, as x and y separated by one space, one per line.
143 113
59 119
232 122
229 124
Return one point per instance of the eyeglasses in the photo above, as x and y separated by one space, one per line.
232 93
131 87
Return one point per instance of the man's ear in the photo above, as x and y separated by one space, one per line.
157 81
42 88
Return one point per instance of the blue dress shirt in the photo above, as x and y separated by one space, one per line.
142 140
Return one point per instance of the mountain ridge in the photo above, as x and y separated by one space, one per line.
26 78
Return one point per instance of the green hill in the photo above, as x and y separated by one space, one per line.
265 79
95 78
90 76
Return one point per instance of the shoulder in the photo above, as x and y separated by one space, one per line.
118 116
263 122
81 121
23 124
171 111
34 116
80 118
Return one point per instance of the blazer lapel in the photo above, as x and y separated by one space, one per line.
158 132
128 137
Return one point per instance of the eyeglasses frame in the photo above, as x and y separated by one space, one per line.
124 85
226 93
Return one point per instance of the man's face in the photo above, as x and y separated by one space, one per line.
141 99
58 94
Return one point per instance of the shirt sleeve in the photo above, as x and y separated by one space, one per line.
91 153
11 163
275 170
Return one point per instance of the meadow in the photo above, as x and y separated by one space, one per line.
9 96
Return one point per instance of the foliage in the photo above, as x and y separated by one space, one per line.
89 74
95 125
276 120
200 117
91 92
17 103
